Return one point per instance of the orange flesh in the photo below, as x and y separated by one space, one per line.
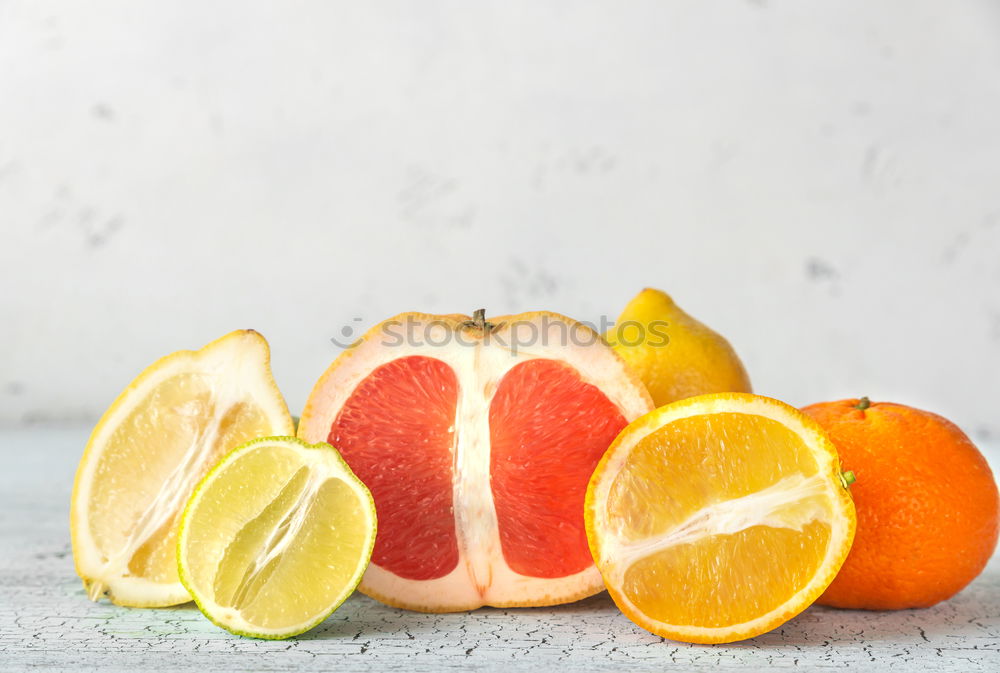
707 460
548 429
396 432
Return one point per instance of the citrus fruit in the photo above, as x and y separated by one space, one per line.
675 355
275 537
159 437
477 439
718 517
927 505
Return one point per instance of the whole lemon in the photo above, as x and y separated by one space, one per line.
675 355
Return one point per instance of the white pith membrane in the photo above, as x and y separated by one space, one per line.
482 576
768 507
792 502
233 375
294 488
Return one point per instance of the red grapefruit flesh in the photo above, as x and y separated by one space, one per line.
548 429
396 434
478 454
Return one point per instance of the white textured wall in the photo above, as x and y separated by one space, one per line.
820 181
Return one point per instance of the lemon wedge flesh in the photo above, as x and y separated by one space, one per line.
148 452
276 537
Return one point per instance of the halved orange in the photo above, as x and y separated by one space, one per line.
477 439
719 517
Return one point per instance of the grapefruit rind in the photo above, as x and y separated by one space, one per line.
842 522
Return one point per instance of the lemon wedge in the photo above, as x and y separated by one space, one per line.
148 452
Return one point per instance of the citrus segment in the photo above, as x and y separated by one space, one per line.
695 583
705 459
396 431
148 452
276 537
719 517
548 429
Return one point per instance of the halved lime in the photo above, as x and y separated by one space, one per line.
276 537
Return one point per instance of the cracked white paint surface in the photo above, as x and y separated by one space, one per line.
46 620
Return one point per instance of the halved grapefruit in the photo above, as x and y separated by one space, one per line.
477 440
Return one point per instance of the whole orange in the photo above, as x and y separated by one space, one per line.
927 505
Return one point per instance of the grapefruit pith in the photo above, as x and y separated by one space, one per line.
477 440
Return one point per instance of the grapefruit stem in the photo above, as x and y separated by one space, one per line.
479 320
847 478
863 403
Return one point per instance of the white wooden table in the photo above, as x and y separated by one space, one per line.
47 622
